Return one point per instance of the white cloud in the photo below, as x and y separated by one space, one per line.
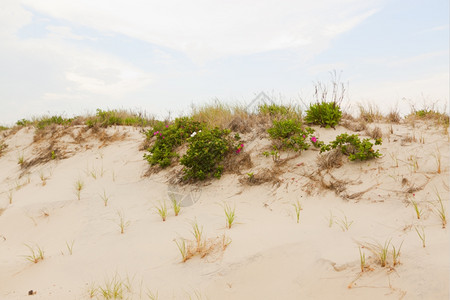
64 32
207 30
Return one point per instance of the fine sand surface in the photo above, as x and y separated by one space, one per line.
270 256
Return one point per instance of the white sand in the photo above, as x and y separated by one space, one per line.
270 256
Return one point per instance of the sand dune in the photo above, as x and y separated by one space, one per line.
270 255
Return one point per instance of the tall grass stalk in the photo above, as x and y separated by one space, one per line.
229 214
183 248
105 198
298 207
162 210
421 235
440 210
70 247
383 252
175 205
122 223
79 185
416 208
396 254
197 232
362 259
36 254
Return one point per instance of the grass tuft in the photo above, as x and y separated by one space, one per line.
440 210
122 223
162 210
79 185
298 207
36 255
229 214
175 205
421 235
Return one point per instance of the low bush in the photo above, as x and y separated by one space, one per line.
105 118
168 137
279 111
58 120
353 147
325 114
206 151
292 135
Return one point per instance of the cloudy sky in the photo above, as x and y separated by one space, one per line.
71 57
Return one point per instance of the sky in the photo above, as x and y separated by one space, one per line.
72 57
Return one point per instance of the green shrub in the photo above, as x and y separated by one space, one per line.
291 134
325 114
273 109
168 137
206 151
47 121
105 118
353 147
279 111
23 122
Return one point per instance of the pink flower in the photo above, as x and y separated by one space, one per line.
313 139
167 126
304 136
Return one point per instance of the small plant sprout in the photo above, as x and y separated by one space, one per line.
43 178
394 158
92 290
197 232
416 208
330 220
383 253
151 295
421 235
229 214
105 198
175 205
437 157
79 185
183 248
20 159
440 210
122 223
362 259
70 247
113 288
396 254
298 207
10 196
162 210
344 223
36 254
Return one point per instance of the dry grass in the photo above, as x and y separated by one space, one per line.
393 116
3 147
218 114
369 113
375 133
355 126
262 176
329 160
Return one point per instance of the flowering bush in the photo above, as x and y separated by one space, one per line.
239 148
169 136
291 134
353 147
206 151
315 141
